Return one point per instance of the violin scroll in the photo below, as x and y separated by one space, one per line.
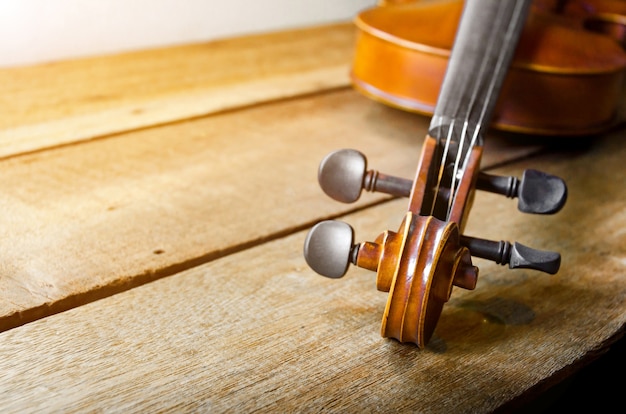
423 262
418 289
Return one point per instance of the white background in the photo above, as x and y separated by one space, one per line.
39 31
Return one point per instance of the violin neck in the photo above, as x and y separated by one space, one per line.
484 46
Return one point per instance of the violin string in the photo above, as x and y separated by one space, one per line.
514 23
510 31
442 164
462 152
455 169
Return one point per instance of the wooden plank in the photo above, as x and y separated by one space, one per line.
83 222
69 101
257 330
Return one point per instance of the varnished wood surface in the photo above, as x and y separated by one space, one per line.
213 212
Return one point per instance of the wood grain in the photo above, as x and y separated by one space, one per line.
82 222
191 180
257 330
64 102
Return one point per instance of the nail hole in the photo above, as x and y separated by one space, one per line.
158 251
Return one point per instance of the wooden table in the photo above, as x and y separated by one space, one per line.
154 209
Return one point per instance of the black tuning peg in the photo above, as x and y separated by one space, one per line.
516 255
329 248
343 175
537 192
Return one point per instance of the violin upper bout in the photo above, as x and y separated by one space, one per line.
432 261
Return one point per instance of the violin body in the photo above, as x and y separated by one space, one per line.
564 79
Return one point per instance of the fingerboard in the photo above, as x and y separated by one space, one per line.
484 46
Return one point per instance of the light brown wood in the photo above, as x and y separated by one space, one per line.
212 211
258 330
64 102
86 221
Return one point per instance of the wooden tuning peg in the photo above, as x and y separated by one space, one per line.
537 192
516 255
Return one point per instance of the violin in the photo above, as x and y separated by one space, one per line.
402 53
465 90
